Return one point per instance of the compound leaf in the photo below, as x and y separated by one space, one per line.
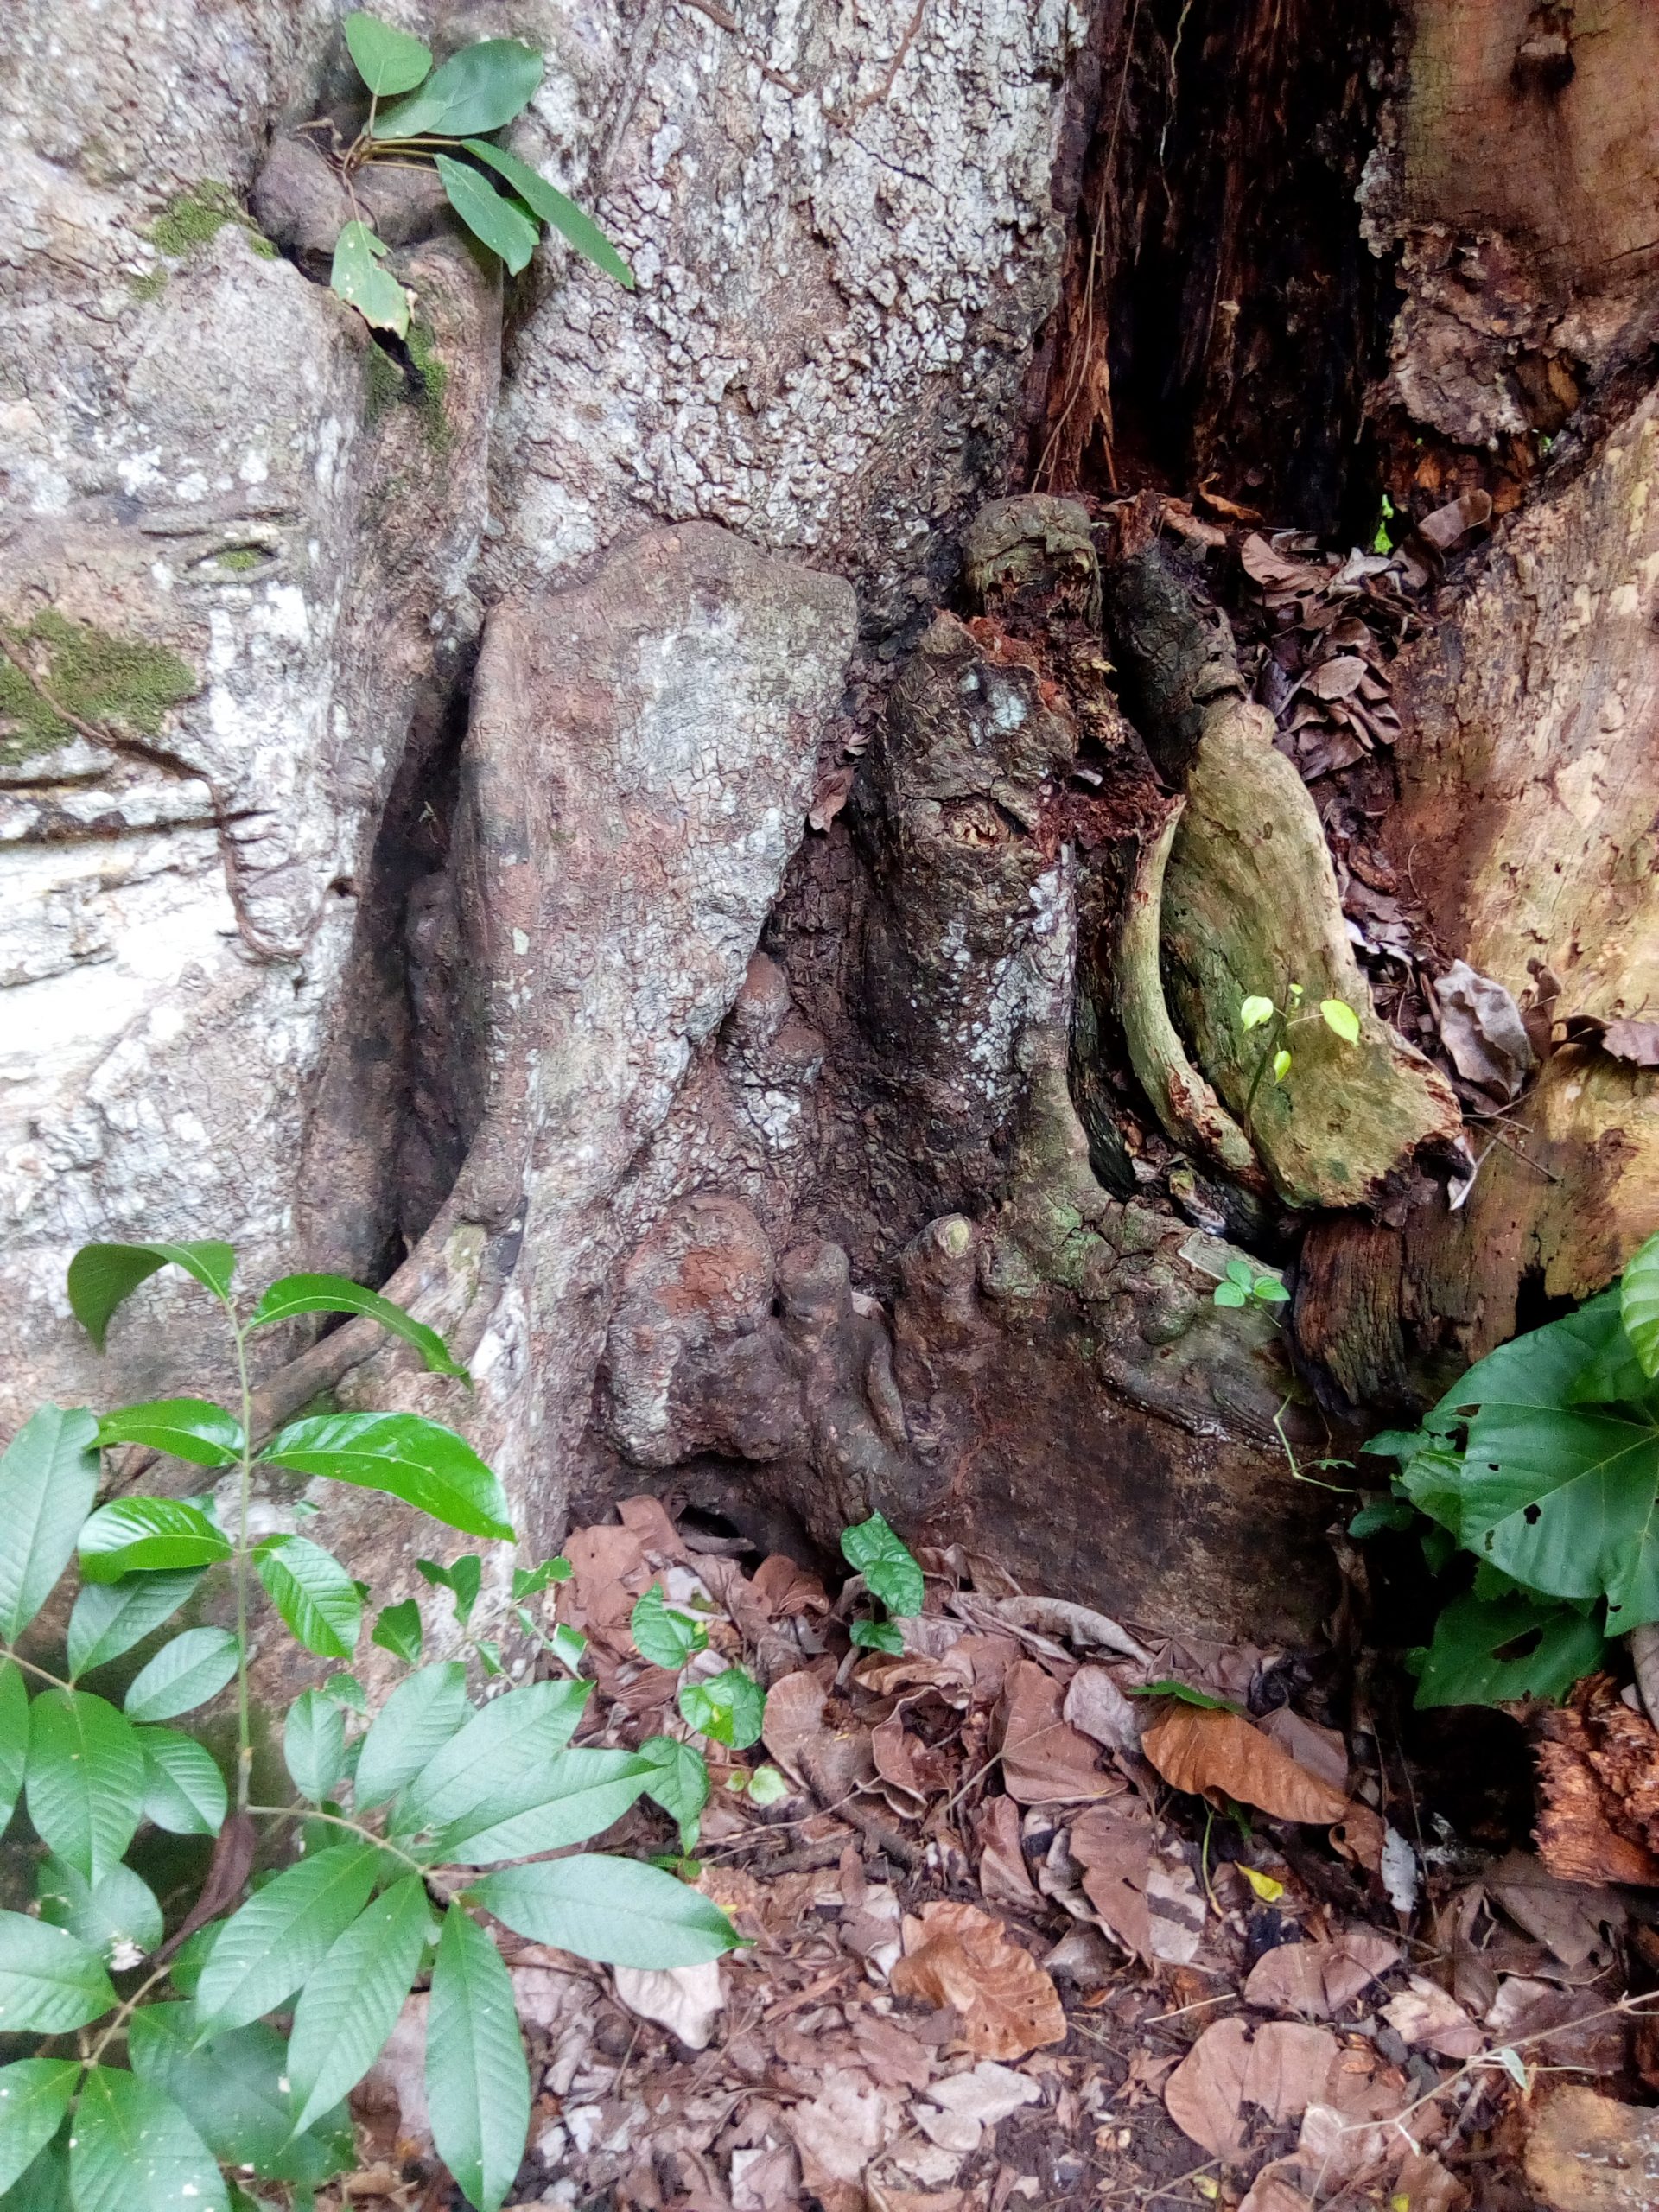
48 1479
49 1980
266 1950
139 1535
313 1592
134 2151
110 1617
338 1295
85 1779
419 1461
190 1429
350 2003
183 1675
477 2082
101 1276
616 1910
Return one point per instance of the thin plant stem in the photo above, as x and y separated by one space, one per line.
30 1668
339 1821
123 2012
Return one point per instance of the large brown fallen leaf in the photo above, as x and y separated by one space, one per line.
1423 2016
1316 1980
1045 1760
1112 1845
959 1957
1285 2068
848 2123
1003 1876
1196 1750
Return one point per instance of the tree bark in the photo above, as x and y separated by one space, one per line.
657 872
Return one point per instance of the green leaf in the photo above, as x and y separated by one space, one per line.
615 1910
1202 1698
134 2151
346 1690
335 1294
576 1796
463 1581
1268 1290
1281 1064
350 2003
477 2082
889 1571
767 1787
415 1721
663 1636
1229 1294
1341 1020
1490 1653
266 1950
388 60
877 1636
1639 1305
528 1581
190 1429
139 1535
398 1630
118 1914
1561 1496
101 1276
505 230
1385 1513
314 1744
313 1592
1242 1273
35 2094
494 1768
182 1675
357 278
567 1644
678 1781
85 1779
1254 1010
14 1739
234 2088
545 200
48 1479
110 1617
479 89
428 1466
729 1707
45 2186
184 1790
49 1981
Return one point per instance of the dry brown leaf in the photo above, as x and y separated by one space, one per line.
1006 2003
1045 1760
1570 1917
786 1590
1275 571
1003 1875
1321 1750
848 2123
1285 2068
1635 1041
1337 677
1426 2185
1112 1845
1196 1749
894 1754
1271 2192
1423 2016
1095 1704
890 2052
1316 1980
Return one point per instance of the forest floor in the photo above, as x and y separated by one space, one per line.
1027 1933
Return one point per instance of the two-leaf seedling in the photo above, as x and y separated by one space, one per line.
1243 1285
1276 1021
443 118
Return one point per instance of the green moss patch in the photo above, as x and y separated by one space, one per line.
191 218
101 676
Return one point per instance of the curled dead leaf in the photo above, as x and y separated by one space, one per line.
1198 1750
1006 2003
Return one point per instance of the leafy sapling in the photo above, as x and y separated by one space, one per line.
446 119
405 1829
1276 1021
1243 1285
1542 1462
891 1575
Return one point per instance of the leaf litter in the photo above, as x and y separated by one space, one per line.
1019 1938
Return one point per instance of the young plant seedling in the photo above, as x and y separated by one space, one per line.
1242 1285
446 119
893 1578
1276 1021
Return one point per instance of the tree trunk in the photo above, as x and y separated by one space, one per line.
593 821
